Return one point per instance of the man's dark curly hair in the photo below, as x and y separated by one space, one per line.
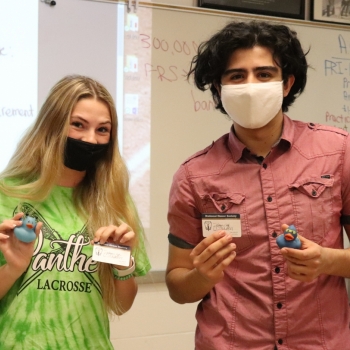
208 66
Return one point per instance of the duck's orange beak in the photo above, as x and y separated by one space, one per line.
29 226
288 236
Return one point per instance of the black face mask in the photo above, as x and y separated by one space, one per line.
80 155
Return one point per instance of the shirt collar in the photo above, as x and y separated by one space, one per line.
237 148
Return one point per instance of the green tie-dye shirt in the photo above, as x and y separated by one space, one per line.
57 303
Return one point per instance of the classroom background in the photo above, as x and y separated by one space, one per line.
140 51
155 321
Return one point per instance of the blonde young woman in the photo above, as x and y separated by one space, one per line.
68 173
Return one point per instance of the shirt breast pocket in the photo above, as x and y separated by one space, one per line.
313 206
230 203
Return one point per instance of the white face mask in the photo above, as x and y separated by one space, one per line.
252 105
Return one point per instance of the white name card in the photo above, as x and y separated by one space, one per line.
231 223
110 253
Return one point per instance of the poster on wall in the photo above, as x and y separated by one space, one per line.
279 8
335 11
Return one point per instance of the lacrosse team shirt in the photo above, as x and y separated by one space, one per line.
57 303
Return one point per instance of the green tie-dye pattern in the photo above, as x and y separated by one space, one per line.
39 312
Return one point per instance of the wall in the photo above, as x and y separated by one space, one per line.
164 53
165 101
154 322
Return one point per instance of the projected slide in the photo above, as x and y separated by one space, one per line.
18 72
134 105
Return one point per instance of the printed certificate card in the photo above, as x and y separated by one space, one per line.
231 223
112 253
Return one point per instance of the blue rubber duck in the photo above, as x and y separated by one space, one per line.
26 232
289 238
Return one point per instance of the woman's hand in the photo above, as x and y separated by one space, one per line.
122 234
16 253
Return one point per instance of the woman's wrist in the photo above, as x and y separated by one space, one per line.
11 272
125 273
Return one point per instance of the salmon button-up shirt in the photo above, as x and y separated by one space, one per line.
304 181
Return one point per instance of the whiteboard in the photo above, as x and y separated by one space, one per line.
83 37
184 119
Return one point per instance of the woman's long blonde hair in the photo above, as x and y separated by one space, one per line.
103 196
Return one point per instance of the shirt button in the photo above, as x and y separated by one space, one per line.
280 341
269 199
274 234
277 270
279 305
264 165
314 193
223 207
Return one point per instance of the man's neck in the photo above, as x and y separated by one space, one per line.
260 141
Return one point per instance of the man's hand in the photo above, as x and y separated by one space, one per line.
212 255
307 263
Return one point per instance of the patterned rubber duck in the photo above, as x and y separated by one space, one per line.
289 238
26 232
